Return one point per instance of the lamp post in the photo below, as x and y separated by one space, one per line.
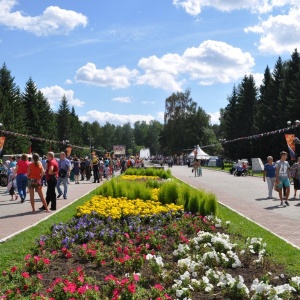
222 141
90 139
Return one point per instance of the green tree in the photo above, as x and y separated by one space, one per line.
12 114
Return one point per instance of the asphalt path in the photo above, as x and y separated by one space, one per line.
245 195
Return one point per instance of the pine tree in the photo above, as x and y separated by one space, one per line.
63 122
12 113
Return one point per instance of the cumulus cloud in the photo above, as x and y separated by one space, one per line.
280 33
194 7
160 116
68 81
118 119
122 99
148 102
107 77
258 78
53 21
214 117
55 93
209 63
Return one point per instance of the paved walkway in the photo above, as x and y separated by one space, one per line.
245 195
16 216
248 196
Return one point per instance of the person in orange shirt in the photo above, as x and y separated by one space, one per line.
35 174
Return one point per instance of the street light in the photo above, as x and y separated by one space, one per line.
222 141
90 139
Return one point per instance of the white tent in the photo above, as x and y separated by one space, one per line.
200 154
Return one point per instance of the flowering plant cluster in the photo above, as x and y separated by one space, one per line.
117 208
139 177
120 249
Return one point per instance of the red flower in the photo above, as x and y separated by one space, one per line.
28 256
158 287
131 288
14 269
4 273
25 287
46 261
25 275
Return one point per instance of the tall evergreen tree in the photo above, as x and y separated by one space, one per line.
12 114
63 122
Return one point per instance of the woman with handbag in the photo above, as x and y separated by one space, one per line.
35 174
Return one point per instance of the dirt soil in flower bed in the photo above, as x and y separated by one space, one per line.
61 265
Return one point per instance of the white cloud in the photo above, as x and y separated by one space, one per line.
68 81
214 117
210 62
258 78
115 78
122 99
53 21
280 33
148 102
194 7
160 116
55 93
118 119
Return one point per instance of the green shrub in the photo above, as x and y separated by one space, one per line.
211 204
168 193
194 203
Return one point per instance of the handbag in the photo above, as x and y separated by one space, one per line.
62 173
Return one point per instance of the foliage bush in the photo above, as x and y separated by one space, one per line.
149 172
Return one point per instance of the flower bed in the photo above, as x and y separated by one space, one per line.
117 248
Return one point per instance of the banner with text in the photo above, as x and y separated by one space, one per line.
119 150
290 143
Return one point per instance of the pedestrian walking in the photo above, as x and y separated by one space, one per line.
64 169
51 176
76 169
295 174
21 175
269 173
283 177
35 175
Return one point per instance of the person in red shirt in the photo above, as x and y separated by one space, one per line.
35 174
51 177
21 174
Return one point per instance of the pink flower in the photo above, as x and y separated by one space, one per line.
136 277
54 252
158 287
46 261
39 276
131 288
127 235
4 273
110 277
25 275
28 256
14 269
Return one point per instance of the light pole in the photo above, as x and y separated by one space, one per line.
90 139
222 141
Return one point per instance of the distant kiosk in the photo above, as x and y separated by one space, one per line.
257 165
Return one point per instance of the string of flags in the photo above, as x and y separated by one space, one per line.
34 138
256 136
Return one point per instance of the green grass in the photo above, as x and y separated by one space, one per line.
280 252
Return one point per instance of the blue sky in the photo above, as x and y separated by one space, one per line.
117 61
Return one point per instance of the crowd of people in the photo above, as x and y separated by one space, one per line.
28 174
278 176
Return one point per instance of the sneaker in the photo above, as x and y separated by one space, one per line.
59 195
287 203
282 205
65 197
22 200
270 198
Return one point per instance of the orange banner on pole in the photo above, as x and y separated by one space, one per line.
291 145
2 140
68 150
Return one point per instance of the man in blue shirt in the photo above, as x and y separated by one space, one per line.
64 168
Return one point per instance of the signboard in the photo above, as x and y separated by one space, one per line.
119 150
257 165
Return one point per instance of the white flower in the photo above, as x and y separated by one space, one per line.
149 256
185 275
179 293
159 261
